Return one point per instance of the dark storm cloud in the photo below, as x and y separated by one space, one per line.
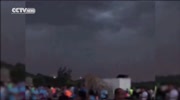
104 38
168 37
12 33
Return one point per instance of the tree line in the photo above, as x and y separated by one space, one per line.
18 73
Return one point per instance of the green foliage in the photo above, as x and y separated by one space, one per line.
44 80
147 85
64 76
39 80
18 73
171 79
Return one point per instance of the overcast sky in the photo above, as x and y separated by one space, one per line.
141 39
12 33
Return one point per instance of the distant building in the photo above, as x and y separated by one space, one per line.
113 83
124 83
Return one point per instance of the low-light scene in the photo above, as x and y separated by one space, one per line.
90 50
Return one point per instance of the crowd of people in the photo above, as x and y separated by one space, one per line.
166 92
20 91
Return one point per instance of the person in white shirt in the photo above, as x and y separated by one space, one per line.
27 93
3 92
144 95
152 94
179 94
173 93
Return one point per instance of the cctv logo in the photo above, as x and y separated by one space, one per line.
23 10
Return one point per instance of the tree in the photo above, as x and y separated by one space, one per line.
38 80
64 75
94 82
18 73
